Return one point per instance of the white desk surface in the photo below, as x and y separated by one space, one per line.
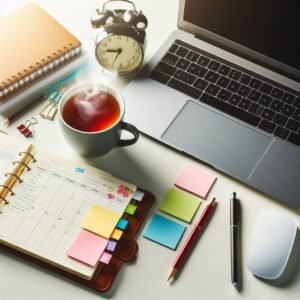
153 167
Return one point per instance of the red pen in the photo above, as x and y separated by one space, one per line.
190 242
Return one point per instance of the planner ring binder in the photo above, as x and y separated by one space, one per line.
3 200
29 154
44 217
8 188
22 163
46 65
15 175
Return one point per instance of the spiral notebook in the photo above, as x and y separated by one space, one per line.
44 199
32 44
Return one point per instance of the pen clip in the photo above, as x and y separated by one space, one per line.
234 210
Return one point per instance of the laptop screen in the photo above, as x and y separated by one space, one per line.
269 27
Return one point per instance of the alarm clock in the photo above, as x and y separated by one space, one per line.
121 37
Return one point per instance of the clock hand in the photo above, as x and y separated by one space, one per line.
112 50
119 52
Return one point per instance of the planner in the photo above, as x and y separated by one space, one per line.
32 44
44 199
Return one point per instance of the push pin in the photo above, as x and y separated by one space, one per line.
27 128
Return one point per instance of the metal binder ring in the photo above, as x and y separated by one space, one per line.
5 201
8 188
29 154
16 176
21 163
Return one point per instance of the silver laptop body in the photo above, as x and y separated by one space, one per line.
245 152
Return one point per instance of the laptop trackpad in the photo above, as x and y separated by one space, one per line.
216 139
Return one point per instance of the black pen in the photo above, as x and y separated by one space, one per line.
234 237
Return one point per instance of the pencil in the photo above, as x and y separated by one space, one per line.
191 240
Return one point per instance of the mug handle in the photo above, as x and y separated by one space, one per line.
133 130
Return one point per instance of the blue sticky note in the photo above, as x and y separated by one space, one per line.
164 231
122 224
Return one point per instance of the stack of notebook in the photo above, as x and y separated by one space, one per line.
35 52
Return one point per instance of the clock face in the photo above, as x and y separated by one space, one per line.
120 53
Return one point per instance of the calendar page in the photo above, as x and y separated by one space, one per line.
44 216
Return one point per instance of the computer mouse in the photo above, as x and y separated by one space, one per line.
271 244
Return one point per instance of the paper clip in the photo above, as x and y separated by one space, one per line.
49 110
25 128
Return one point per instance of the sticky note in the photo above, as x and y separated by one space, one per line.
105 258
196 181
116 234
87 247
100 221
130 209
138 195
164 231
180 204
122 224
111 246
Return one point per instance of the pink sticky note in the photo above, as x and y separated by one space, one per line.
105 258
196 181
87 247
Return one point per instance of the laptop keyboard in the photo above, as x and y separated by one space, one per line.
245 95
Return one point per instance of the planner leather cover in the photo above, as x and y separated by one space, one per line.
126 250
30 38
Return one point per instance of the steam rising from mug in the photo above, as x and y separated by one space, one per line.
89 104
91 111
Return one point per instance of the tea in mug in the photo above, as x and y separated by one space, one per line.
91 111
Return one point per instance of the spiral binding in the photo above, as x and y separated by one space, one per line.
14 175
5 201
21 163
7 186
29 154
40 68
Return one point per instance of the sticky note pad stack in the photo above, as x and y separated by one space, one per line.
164 231
87 247
100 221
180 205
195 181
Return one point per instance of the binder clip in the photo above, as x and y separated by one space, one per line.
27 128
49 110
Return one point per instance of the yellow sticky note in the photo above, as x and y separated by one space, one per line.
100 221
116 234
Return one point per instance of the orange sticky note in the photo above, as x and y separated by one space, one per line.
100 221
116 234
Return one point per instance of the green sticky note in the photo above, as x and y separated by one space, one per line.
130 209
180 205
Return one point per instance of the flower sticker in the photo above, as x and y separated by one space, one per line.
124 191
110 196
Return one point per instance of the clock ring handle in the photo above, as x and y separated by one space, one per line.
133 130
127 1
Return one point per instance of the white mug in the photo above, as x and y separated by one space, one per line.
92 144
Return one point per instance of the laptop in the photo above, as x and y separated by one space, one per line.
224 88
